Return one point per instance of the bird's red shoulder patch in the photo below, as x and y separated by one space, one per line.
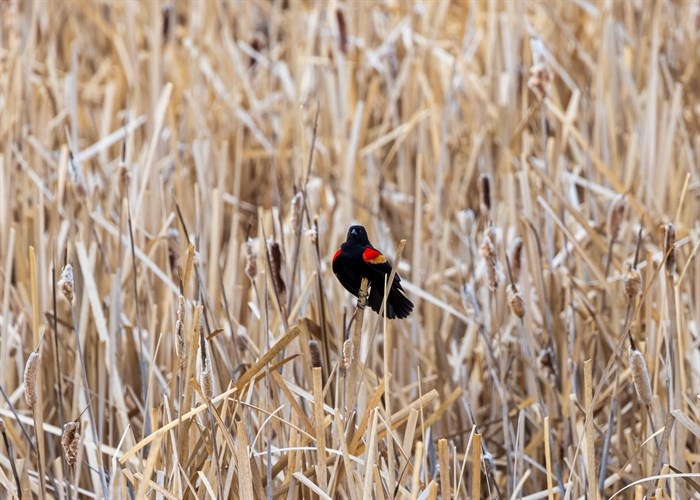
336 255
373 256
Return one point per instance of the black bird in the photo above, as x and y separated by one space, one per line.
357 258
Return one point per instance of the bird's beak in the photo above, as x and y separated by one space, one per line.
353 231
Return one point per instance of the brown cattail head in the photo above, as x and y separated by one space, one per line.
2 426
31 369
251 259
180 329
70 441
633 282
488 251
348 354
276 267
66 283
123 180
640 375
206 375
545 365
174 249
342 30
315 354
485 196
515 301
297 201
515 255
616 214
670 248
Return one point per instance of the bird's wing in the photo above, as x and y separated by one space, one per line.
350 284
377 265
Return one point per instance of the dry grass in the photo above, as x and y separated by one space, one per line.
220 151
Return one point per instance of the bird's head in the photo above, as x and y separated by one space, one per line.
359 234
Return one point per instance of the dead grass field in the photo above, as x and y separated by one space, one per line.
197 163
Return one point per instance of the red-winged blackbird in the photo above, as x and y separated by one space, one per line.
356 258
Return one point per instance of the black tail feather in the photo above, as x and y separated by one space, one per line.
397 304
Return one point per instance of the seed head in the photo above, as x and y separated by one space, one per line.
251 259
670 248
66 283
633 282
516 301
515 255
348 354
640 375
180 329
276 267
70 441
315 354
488 251
616 214
31 369
485 196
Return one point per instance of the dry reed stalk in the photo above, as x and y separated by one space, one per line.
591 484
353 381
476 467
558 153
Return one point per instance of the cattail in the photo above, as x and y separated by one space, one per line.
640 375
123 180
276 267
515 301
633 282
2 426
70 441
545 365
297 201
515 256
206 376
180 329
670 248
348 354
251 259
76 177
66 283
342 30
488 251
615 215
31 369
315 353
174 249
485 195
